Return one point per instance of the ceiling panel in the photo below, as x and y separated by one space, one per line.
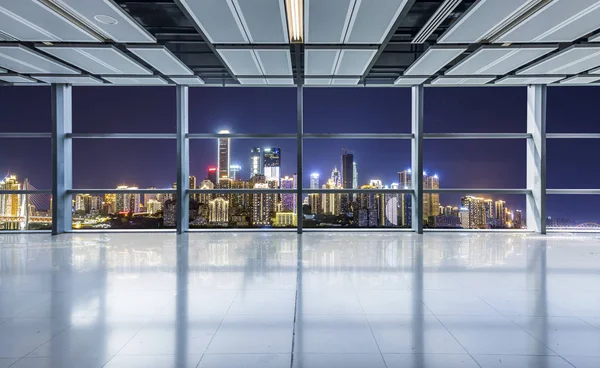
372 20
326 21
595 38
345 81
263 20
354 62
16 79
2 70
462 80
320 61
317 81
579 79
217 20
526 80
161 59
240 61
187 80
280 81
23 60
108 18
410 81
29 20
252 81
69 79
274 61
559 21
100 59
489 60
134 81
481 18
434 59
573 60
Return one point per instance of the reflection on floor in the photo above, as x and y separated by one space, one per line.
276 300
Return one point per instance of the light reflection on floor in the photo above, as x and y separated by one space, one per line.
312 300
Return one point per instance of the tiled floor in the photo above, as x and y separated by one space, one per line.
275 300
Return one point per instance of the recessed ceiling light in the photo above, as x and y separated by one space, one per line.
105 19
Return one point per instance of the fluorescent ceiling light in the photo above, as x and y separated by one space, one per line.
488 60
187 80
558 21
442 12
483 18
29 20
410 81
434 59
134 81
16 79
572 60
578 79
100 59
295 20
25 61
464 80
99 15
69 79
161 59
530 79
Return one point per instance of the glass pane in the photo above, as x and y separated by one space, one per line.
30 160
24 211
573 212
474 211
475 110
360 210
243 110
357 110
119 109
569 159
124 211
572 109
370 159
25 109
470 163
110 163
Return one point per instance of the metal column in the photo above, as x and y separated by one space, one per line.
417 158
183 163
62 158
300 147
536 158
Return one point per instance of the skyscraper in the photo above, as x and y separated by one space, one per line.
501 212
218 211
272 163
288 200
431 201
256 161
518 219
10 204
347 169
405 182
354 176
236 172
335 176
262 206
212 174
314 181
476 211
224 155
127 202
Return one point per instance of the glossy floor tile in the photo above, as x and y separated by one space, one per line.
275 300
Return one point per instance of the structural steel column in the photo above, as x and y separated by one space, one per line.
183 163
62 158
536 158
300 147
417 158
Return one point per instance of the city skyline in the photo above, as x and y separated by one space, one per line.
491 164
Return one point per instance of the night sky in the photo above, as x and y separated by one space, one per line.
459 163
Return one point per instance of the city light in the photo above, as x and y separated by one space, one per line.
225 131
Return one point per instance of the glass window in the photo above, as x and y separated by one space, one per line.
120 109
475 110
572 109
25 109
357 110
243 110
569 163
573 212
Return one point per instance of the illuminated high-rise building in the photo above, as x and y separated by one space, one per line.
153 206
218 211
10 204
256 161
463 214
286 219
224 156
314 181
347 169
476 210
127 202
263 205
110 203
212 174
288 200
518 219
376 183
83 203
501 212
336 178
315 203
405 203
490 209
206 185
431 201
354 176
272 163
236 172
331 201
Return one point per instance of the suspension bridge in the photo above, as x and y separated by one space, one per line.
22 211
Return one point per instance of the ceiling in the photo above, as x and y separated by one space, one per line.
345 42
